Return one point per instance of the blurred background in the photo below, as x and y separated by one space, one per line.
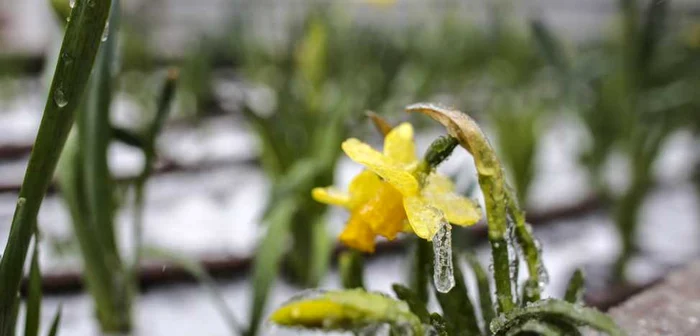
593 106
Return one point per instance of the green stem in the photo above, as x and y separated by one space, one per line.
494 197
529 246
78 51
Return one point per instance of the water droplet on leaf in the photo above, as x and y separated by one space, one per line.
72 4
443 270
59 97
105 32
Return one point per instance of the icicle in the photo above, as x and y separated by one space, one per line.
443 269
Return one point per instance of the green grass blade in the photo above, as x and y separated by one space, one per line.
267 258
652 32
78 51
415 304
555 311
485 301
207 282
127 137
56 322
536 328
95 135
351 267
550 48
421 268
31 325
98 275
576 287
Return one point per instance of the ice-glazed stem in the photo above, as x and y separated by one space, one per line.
530 248
492 182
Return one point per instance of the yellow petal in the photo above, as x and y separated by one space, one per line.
331 195
424 219
385 167
363 187
399 146
384 212
458 210
358 235
437 183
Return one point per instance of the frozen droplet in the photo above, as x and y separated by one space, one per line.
67 58
72 4
105 32
443 269
59 97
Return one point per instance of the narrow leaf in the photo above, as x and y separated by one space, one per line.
56 322
31 325
485 301
351 268
555 310
267 258
415 304
78 50
535 327
576 287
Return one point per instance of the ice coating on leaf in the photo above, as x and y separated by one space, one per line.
344 310
390 170
399 146
425 220
443 270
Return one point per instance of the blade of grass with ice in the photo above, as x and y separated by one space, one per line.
80 45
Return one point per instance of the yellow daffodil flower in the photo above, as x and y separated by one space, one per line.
427 205
375 206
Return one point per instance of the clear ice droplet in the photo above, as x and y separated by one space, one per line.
60 98
72 4
443 270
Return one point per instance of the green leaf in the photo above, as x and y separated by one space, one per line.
439 324
78 50
555 310
457 308
267 258
550 48
485 301
421 268
415 304
31 325
576 287
56 322
347 310
535 327
127 137
204 279
351 268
